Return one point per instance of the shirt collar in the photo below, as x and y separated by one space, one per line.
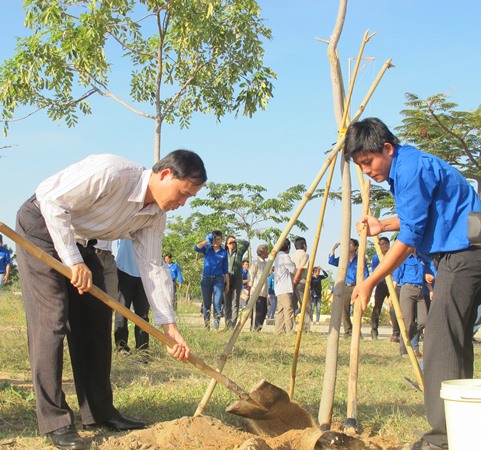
140 191
392 170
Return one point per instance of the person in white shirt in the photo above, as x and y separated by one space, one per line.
101 197
284 270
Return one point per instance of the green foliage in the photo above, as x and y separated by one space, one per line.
243 208
185 56
232 209
435 126
179 240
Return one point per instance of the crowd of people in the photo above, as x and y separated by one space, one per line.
76 214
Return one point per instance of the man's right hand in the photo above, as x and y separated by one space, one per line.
373 225
209 238
81 277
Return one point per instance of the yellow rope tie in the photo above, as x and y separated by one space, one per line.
342 132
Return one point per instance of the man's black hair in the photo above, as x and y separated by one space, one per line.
184 165
368 135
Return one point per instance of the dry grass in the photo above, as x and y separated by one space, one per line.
164 389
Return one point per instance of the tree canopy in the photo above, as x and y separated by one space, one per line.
184 56
435 126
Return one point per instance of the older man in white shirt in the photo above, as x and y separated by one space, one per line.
101 197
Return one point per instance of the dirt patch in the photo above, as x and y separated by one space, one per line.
194 433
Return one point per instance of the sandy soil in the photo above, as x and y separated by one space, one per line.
207 433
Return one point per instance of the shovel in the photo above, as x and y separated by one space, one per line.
116 306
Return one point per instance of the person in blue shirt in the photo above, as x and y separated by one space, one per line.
176 274
132 293
350 281
380 294
271 296
409 276
215 276
4 263
433 202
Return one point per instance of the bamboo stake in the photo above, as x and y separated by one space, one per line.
270 260
350 424
306 296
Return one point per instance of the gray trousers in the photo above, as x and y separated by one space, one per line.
413 307
55 310
448 346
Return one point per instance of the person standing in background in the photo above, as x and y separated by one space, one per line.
255 274
271 296
350 281
215 276
132 293
301 259
4 263
316 290
284 270
176 275
235 251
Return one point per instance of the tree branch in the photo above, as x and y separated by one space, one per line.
453 134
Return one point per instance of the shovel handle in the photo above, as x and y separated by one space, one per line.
126 312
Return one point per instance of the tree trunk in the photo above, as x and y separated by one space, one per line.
332 349
157 138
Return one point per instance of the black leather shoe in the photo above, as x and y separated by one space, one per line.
67 438
117 423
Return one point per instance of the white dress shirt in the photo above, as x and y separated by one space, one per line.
102 197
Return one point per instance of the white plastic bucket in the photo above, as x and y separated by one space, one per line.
462 403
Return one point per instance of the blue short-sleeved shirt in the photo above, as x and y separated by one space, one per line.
411 271
433 201
215 263
351 268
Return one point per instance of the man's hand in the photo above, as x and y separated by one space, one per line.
181 350
81 277
363 291
373 225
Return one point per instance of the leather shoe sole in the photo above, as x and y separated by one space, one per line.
120 423
67 438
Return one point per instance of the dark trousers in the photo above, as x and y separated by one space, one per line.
380 294
55 310
346 309
413 307
260 313
232 301
448 346
131 294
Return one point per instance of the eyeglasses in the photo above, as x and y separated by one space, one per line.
231 242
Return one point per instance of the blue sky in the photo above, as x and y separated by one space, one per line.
435 46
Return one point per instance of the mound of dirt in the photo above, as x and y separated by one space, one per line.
195 433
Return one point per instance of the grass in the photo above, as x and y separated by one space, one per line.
165 390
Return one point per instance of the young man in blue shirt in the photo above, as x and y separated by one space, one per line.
433 202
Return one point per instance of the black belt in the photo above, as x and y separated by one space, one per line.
213 276
418 286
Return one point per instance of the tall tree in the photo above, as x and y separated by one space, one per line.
244 208
184 55
436 126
